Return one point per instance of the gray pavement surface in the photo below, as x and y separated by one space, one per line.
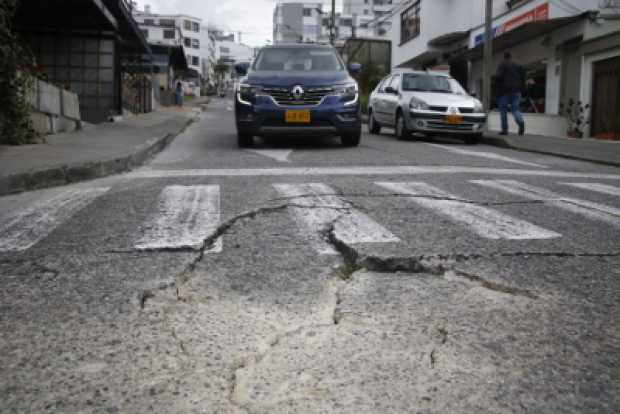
96 151
593 150
343 296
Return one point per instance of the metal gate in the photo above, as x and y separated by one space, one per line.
606 99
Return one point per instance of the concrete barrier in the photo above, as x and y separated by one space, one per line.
54 110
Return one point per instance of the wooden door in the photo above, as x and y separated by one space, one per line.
605 111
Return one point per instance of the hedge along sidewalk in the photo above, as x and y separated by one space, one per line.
593 150
96 151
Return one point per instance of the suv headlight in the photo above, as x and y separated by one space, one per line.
418 104
478 108
348 93
247 93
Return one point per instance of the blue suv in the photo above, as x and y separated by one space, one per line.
298 90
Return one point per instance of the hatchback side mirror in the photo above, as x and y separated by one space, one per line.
355 68
242 68
391 90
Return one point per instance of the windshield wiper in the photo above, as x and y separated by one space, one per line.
417 90
441 90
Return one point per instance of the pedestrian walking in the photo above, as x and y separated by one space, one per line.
179 93
510 82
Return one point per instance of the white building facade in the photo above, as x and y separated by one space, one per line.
297 22
570 50
374 16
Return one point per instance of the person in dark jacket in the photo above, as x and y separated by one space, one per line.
178 93
510 80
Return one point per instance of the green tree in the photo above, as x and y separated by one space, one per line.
16 64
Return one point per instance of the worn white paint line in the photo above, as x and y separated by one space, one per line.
278 155
184 217
350 225
22 230
487 155
586 208
485 222
597 187
361 171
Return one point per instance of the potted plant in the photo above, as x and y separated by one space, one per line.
577 115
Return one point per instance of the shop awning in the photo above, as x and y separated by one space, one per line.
526 32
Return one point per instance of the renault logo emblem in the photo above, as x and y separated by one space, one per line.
298 92
452 110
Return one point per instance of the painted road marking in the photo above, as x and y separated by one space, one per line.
361 171
278 155
350 225
24 229
184 217
598 187
488 155
586 208
485 222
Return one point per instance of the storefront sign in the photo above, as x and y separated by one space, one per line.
540 13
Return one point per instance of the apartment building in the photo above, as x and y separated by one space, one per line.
297 22
375 14
570 50
171 29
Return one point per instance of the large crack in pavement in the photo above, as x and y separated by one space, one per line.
352 260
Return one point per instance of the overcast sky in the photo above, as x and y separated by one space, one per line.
253 17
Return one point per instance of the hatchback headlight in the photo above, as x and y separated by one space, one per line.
478 108
348 93
247 93
418 104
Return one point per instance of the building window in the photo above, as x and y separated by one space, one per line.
307 12
365 11
187 25
187 42
410 23
145 33
166 22
149 22
346 22
224 50
169 34
196 27
195 61
196 43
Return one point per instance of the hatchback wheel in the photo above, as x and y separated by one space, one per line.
373 125
401 129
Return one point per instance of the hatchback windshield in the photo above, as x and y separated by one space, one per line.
431 83
298 59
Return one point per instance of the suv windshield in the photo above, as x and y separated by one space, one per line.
298 59
432 83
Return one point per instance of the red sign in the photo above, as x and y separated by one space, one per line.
535 15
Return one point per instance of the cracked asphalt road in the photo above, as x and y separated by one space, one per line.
328 279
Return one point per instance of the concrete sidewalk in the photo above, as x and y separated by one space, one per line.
594 150
95 151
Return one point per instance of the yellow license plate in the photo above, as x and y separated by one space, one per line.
302 117
454 119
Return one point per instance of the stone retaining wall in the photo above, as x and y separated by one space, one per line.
55 110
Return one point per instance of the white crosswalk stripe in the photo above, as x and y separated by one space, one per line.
586 208
324 208
21 231
598 187
485 222
184 217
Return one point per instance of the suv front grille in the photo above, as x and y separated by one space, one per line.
284 96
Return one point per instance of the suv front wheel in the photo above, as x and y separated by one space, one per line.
351 139
244 140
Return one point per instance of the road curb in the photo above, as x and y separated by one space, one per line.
72 173
503 143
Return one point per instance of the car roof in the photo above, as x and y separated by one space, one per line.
299 45
419 72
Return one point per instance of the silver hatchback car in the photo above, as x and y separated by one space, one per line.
431 103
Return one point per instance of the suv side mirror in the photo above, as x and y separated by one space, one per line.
389 89
242 68
355 68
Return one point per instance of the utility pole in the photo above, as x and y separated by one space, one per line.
487 61
332 26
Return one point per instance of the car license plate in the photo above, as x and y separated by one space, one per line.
302 117
454 119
